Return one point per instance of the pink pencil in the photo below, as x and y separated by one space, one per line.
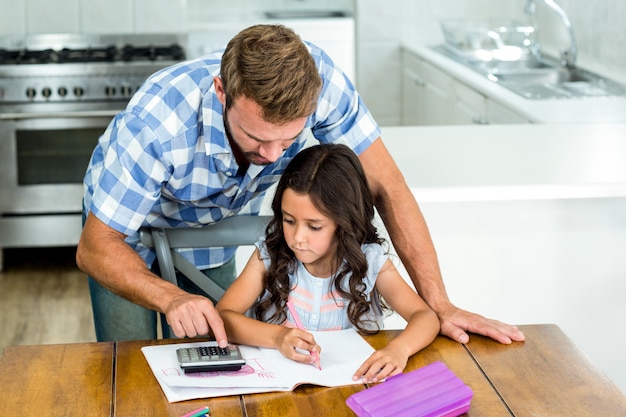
296 318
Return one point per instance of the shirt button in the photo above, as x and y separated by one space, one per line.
229 174
319 285
314 316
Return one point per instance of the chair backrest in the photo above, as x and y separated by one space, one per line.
231 231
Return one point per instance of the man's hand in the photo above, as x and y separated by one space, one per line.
456 322
194 315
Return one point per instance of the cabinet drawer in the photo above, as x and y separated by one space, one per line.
468 95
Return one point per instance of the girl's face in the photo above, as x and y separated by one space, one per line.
308 232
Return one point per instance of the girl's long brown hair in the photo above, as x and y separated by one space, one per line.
332 176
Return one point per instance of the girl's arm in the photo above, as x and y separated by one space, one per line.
421 329
241 329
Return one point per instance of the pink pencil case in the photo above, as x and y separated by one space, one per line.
431 391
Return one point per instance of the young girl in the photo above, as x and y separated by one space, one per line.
322 253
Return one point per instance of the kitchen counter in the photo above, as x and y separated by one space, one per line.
528 223
600 109
511 162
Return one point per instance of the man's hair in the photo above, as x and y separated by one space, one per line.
272 66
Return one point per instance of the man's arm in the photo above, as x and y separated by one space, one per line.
104 255
410 236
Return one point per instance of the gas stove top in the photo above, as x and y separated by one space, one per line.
82 68
109 53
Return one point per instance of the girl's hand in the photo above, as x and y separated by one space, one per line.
382 364
293 343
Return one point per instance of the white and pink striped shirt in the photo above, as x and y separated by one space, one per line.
318 303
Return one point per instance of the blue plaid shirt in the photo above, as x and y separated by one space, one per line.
165 160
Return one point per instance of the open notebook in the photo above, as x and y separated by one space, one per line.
266 370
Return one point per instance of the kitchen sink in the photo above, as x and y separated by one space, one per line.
517 66
538 79
552 76
544 82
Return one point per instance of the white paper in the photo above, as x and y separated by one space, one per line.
266 370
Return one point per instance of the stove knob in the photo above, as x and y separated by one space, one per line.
46 92
126 90
62 91
31 92
79 91
109 91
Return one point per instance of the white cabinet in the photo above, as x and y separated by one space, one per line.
430 96
468 105
426 92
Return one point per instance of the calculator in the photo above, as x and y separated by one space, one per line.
210 358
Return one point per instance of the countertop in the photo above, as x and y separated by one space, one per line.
504 162
601 109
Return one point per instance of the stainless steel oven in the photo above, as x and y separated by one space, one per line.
43 159
58 93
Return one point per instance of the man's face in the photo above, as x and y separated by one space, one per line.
260 142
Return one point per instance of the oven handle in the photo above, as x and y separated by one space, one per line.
48 115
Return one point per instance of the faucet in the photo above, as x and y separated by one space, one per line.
568 56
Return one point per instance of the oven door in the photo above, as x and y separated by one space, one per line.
43 159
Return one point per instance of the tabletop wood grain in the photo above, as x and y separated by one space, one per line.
57 380
138 394
547 375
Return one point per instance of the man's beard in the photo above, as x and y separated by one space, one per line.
252 157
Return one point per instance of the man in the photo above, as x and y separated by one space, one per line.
202 141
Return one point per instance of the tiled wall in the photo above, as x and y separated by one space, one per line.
76 16
600 28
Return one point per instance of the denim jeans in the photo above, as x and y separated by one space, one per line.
117 319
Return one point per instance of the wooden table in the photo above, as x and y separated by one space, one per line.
544 376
